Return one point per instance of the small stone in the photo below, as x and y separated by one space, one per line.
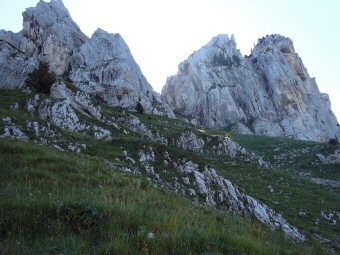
151 236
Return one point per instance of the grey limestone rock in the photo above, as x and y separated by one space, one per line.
269 92
61 114
102 67
331 158
216 191
190 141
79 100
12 131
14 66
105 67
50 34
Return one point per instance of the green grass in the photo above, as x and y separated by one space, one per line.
54 202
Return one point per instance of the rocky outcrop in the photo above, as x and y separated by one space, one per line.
325 182
102 66
64 109
79 100
14 66
12 131
268 93
331 158
222 146
188 140
49 35
187 178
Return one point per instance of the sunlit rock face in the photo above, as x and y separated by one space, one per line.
269 92
101 66
49 34
104 67
14 66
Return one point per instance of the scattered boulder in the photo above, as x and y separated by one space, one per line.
331 158
188 140
12 131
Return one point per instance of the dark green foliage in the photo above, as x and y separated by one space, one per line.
70 85
236 60
79 215
40 79
333 141
139 108
220 60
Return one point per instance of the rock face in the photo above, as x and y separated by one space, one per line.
14 66
102 66
49 34
268 93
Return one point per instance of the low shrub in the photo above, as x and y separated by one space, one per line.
40 80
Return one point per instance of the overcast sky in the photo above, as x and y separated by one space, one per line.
162 33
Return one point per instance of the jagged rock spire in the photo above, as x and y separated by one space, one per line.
101 66
268 93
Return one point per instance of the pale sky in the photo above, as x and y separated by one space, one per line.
162 33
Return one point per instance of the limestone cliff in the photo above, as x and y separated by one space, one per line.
101 66
267 93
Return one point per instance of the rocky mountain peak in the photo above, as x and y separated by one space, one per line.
102 66
218 52
284 44
268 93
47 12
103 46
222 41
50 34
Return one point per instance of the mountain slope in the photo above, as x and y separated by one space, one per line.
54 202
96 162
178 157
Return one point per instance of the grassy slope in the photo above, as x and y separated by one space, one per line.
54 202
127 206
292 193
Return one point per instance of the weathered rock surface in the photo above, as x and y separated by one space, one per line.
14 66
105 68
325 182
190 141
79 100
12 131
102 66
331 158
217 191
49 35
269 92
223 146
